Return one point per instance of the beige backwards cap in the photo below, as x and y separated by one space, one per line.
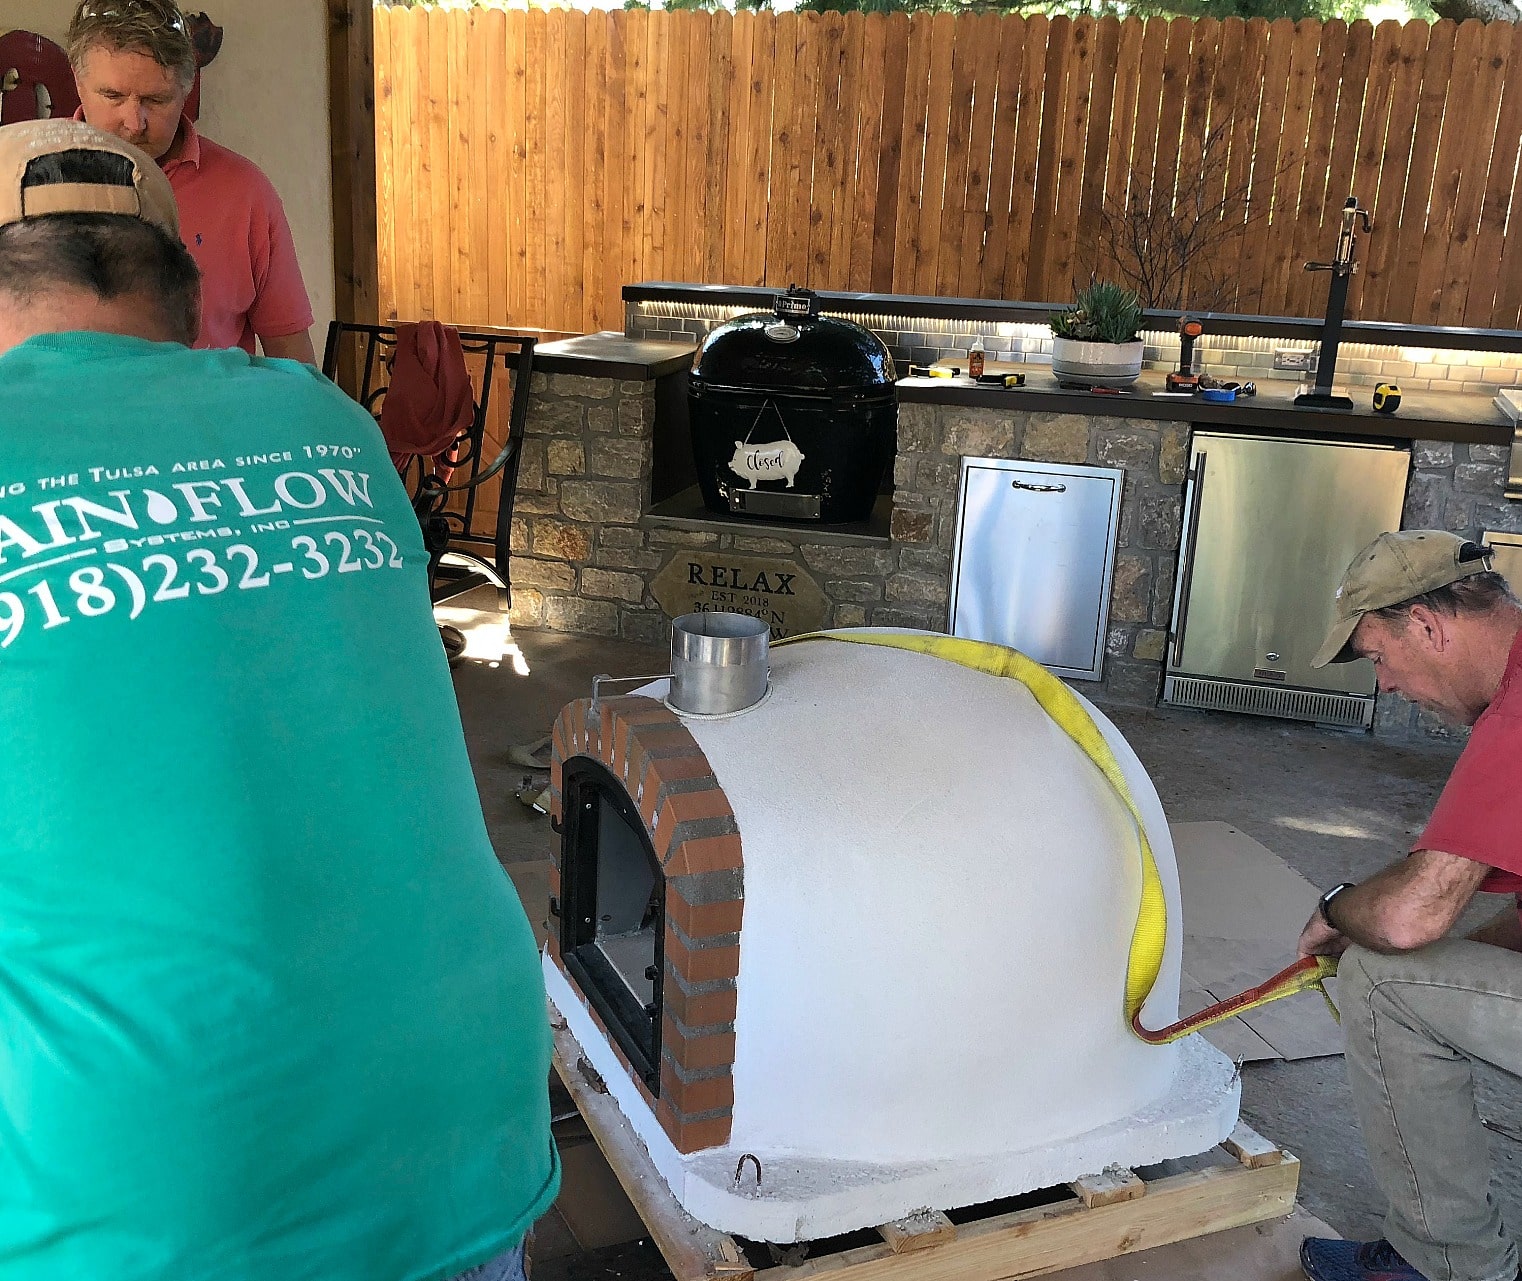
1392 569
150 197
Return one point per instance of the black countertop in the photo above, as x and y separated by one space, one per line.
610 355
1422 415
995 309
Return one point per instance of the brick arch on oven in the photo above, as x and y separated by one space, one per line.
696 841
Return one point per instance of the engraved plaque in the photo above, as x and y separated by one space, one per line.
773 588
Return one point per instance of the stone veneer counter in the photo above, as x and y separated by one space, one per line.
591 557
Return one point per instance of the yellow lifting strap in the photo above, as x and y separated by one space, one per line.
1151 932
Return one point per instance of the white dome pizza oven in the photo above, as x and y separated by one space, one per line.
873 933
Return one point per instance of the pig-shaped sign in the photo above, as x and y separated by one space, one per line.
777 460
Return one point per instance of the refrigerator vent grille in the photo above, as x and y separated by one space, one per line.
1269 700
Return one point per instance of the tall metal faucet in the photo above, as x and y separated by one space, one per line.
1342 267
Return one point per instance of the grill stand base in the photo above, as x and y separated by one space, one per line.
808 1199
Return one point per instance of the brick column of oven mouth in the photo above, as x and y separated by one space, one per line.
697 842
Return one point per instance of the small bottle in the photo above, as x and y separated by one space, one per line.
975 359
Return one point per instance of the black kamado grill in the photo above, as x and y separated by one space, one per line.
794 415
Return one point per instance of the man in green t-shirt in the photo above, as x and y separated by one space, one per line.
271 1008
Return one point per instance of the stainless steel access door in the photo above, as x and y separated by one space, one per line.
1272 525
1507 560
1035 552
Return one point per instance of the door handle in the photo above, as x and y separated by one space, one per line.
1038 489
1193 536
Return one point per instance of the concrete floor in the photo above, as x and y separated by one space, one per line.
1336 806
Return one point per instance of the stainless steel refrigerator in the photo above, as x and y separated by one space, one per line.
1270 525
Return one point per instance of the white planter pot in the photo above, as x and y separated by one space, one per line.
1101 364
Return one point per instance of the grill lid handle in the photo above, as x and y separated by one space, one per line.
796 304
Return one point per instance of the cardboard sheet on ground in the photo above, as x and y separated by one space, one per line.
1244 907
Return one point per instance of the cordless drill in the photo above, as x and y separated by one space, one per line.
1184 379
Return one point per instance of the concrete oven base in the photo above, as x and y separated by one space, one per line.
805 1200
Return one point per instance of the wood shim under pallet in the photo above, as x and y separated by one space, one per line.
1110 1214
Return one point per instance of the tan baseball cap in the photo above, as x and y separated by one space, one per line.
1395 568
150 197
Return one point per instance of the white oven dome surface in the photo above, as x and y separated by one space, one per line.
940 892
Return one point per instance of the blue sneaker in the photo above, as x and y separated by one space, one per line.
1323 1260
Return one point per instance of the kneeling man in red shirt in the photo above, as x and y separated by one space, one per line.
1420 1008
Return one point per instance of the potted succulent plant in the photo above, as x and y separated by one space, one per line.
1096 338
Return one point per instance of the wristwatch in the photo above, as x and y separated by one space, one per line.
1324 906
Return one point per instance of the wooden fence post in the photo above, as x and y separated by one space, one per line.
351 102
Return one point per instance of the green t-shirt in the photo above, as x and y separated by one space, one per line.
269 1008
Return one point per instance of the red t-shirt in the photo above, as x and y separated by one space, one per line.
1479 814
234 225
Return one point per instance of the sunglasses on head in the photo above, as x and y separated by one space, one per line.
168 14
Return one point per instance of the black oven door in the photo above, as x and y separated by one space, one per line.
613 911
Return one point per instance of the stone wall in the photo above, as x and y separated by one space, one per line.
580 560
586 554
586 551
1461 488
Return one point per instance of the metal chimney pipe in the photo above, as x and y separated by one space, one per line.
718 663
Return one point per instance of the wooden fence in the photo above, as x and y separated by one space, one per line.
531 163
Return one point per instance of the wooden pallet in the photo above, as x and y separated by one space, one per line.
1102 1216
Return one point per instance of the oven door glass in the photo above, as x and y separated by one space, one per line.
613 911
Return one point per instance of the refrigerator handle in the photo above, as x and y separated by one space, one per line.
1188 582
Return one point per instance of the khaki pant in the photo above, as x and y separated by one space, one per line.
1416 1023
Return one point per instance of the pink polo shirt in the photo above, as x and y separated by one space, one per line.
234 226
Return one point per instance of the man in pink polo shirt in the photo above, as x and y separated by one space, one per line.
134 65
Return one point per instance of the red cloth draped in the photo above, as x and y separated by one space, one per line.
430 402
